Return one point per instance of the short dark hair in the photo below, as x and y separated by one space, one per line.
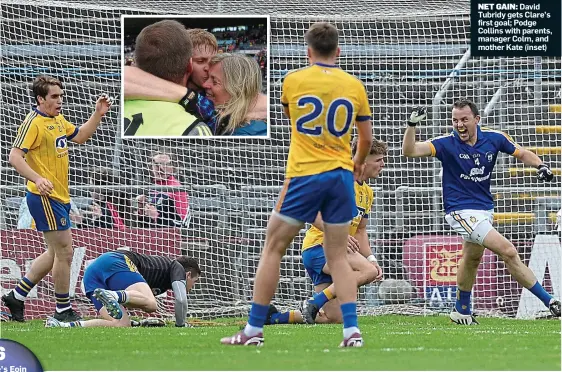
41 84
322 37
164 49
378 147
189 264
463 102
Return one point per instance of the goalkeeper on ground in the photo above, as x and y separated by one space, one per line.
125 279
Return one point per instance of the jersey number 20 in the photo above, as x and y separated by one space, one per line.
304 123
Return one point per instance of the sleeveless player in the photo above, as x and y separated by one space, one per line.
40 154
120 279
468 156
322 102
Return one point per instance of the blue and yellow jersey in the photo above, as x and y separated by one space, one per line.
467 170
44 140
323 103
364 202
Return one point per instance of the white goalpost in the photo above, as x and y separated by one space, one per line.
406 52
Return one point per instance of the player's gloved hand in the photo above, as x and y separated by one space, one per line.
544 173
417 115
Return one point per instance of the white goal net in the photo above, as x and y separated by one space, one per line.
406 52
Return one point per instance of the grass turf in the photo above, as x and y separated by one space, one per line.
391 343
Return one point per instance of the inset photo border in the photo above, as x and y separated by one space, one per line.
198 76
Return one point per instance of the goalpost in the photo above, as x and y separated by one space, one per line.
406 52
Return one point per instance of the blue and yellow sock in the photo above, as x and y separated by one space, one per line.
540 292
23 288
287 317
63 301
463 302
320 299
79 323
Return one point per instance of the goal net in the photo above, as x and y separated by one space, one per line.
406 52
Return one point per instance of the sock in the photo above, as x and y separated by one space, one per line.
23 288
79 323
258 315
72 324
542 295
121 296
287 317
463 302
321 298
349 312
63 302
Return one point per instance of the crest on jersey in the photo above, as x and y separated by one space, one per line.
63 221
61 144
472 219
490 156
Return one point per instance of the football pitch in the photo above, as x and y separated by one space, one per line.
392 343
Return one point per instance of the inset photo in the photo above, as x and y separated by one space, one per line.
195 76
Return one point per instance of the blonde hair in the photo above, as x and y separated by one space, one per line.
200 37
243 81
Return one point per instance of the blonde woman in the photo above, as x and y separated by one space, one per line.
234 87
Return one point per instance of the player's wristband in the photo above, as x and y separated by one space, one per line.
542 165
372 258
188 101
410 124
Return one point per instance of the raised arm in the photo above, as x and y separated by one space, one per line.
142 85
411 148
87 129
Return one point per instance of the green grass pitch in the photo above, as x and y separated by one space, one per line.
391 343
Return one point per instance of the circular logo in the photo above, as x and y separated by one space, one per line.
16 357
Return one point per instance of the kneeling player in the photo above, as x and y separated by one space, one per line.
120 279
362 261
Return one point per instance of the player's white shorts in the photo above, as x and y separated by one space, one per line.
473 225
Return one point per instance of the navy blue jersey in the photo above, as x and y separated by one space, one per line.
467 170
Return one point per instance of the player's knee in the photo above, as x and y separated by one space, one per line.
371 273
151 306
472 261
509 253
64 254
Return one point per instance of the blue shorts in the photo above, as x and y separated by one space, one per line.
330 193
48 214
111 270
314 260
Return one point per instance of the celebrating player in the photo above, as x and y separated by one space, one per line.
319 177
120 279
163 49
362 261
468 155
40 154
